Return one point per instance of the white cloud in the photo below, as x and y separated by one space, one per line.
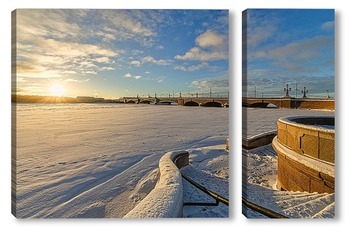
260 29
88 64
106 36
51 44
90 72
136 52
135 63
69 72
300 51
200 84
62 57
192 67
75 80
40 74
210 39
134 25
210 46
43 22
197 53
107 69
150 59
217 83
102 60
329 25
128 75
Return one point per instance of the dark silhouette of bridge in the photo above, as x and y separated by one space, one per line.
149 100
203 101
301 103
183 101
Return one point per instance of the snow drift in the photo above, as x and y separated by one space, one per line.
166 199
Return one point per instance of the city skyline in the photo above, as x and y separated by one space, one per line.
288 46
113 53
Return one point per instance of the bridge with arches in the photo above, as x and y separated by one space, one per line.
149 100
301 103
203 101
182 101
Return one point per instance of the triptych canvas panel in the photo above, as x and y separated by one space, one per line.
288 140
125 113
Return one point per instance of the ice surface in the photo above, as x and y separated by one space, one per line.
262 120
100 160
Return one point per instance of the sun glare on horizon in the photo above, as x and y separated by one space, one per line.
56 90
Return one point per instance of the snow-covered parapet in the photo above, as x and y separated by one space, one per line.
259 139
166 199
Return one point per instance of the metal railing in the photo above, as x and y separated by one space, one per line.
218 198
182 160
267 212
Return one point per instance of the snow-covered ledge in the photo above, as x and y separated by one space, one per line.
166 199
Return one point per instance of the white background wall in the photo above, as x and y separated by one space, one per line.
235 7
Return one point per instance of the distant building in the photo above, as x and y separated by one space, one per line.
87 99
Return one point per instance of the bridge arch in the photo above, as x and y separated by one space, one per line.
191 103
212 104
264 104
272 105
167 101
258 105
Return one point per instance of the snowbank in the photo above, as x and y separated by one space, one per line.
166 199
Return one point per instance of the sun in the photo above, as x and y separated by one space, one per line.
56 90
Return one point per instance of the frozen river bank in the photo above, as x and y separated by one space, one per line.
100 160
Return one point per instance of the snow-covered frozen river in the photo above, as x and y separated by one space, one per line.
262 120
99 160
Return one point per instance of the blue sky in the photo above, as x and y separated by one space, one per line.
115 53
289 46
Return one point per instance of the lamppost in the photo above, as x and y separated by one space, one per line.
287 90
255 92
304 92
296 90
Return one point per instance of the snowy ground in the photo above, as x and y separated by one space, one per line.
261 120
260 171
100 160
